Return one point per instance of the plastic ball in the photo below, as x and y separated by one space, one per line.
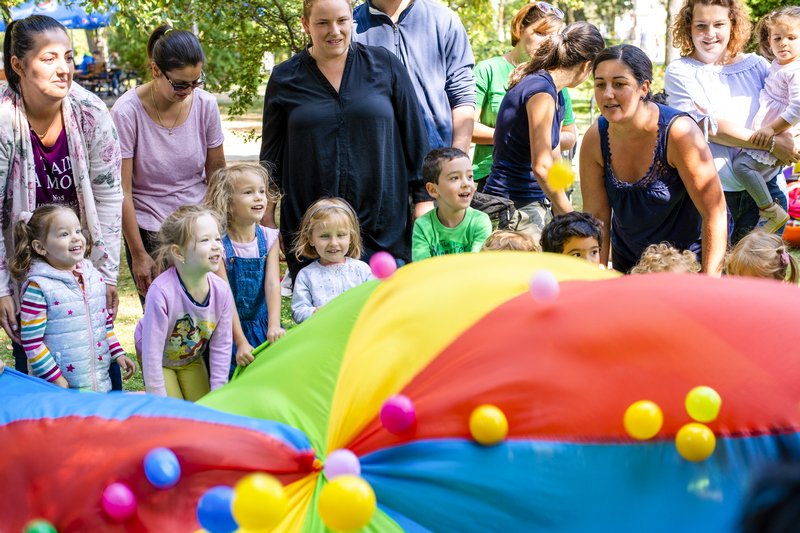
346 504
382 264
162 468
214 510
259 502
561 176
643 419
39 526
488 425
398 414
341 463
703 404
118 501
695 442
544 286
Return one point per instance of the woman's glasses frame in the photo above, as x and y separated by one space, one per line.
177 87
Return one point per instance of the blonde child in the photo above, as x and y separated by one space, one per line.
779 111
188 309
505 239
241 193
762 255
329 234
67 332
663 257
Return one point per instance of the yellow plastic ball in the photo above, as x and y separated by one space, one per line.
488 425
259 502
695 442
643 420
703 404
561 176
346 503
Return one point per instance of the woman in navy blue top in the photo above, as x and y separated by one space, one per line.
646 170
526 135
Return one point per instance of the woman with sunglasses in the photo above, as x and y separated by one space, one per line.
58 147
527 133
171 136
531 25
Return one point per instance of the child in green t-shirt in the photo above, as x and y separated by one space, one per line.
453 227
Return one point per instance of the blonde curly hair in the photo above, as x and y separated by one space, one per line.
664 257
506 239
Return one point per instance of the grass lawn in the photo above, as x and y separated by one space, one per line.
130 311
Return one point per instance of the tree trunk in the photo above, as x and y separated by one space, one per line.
670 53
501 20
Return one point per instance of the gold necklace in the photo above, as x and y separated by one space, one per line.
43 135
153 98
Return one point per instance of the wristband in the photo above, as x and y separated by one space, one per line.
772 144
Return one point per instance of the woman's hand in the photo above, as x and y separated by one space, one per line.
144 272
112 301
8 317
244 354
127 365
787 149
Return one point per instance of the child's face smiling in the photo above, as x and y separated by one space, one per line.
249 199
331 240
64 245
584 248
456 185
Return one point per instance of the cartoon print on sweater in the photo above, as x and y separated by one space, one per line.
186 339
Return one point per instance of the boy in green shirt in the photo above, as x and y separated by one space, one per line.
453 227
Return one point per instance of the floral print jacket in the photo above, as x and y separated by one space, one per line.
97 174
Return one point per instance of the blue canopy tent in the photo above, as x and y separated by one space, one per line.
71 14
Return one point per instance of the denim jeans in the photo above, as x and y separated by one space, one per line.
744 211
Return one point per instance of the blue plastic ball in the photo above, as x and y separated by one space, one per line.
161 467
214 510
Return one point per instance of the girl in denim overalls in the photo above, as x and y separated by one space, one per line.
241 193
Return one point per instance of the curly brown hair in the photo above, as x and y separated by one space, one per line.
740 26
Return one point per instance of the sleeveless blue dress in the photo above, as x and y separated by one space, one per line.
657 208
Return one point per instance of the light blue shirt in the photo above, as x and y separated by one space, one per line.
317 285
728 92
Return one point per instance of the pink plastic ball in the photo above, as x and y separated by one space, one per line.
544 286
398 414
119 502
382 264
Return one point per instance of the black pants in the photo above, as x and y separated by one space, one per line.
21 365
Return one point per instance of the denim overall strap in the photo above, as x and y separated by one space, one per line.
246 278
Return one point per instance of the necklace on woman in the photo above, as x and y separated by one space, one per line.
43 135
174 122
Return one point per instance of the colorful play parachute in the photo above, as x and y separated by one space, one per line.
586 393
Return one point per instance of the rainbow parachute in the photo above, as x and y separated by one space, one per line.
458 332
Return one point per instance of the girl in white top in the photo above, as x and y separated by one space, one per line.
779 110
328 233
171 137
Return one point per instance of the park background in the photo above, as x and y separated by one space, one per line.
243 40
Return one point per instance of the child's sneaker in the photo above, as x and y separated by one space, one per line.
286 285
773 218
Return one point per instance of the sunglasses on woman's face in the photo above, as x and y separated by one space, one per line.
544 7
177 87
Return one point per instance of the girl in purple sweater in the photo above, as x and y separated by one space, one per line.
188 309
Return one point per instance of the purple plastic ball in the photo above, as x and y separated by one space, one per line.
398 414
382 264
119 502
341 463
544 286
